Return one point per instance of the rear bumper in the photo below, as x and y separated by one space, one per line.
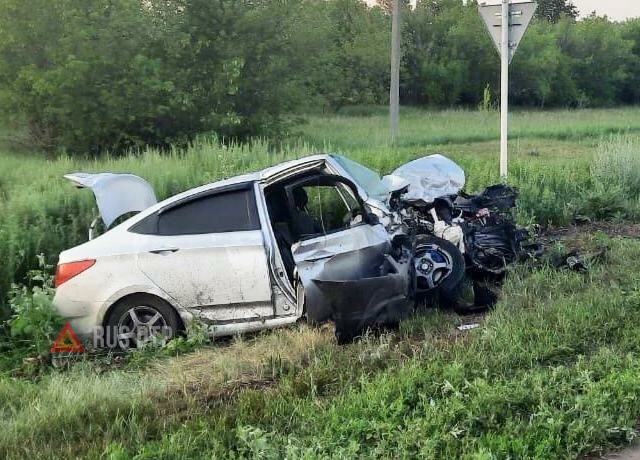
84 316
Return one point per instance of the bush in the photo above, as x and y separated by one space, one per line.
615 180
34 324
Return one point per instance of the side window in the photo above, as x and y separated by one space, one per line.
231 211
327 206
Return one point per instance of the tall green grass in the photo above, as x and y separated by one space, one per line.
41 213
421 128
553 372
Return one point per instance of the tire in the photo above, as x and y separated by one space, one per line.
156 319
448 289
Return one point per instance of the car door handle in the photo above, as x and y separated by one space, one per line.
164 251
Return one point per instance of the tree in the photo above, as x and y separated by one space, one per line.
341 52
599 60
554 10
96 75
448 59
230 59
631 90
540 71
81 74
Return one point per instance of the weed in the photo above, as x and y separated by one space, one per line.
34 323
617 165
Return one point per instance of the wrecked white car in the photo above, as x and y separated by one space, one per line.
321 236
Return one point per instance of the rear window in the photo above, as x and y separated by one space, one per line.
231 211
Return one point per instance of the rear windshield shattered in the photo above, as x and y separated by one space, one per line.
366 178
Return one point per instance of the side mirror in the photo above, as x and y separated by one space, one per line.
372 219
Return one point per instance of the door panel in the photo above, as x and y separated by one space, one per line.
311 256
223 275
350 239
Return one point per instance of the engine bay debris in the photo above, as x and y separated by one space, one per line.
449 247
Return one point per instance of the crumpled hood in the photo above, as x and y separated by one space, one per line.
116 194
429 178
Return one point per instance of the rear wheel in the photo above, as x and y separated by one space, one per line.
440 270
139 320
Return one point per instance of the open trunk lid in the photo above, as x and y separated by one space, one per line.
116 194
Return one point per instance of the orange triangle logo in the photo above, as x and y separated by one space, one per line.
67 341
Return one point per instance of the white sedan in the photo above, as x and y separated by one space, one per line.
309 236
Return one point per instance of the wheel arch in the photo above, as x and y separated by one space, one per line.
143 294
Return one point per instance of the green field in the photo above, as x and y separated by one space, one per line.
553 371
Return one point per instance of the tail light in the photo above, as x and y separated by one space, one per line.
65 272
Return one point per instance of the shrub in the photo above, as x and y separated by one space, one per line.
34 323
615 180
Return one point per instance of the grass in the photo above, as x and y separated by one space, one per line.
555 176
420 128
553 371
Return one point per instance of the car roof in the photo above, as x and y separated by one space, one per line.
272 171
258 176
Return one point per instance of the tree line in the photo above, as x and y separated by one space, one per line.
96 75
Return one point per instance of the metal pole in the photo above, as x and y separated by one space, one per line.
504 89
394 90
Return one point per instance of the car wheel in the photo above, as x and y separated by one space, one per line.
139 320
440 270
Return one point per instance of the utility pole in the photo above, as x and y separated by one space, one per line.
394 90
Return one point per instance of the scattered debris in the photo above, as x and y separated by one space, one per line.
429 200
578 261
467 327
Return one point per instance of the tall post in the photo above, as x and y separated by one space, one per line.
394 90
506 35
504 90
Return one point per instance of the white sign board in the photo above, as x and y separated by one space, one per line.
520 15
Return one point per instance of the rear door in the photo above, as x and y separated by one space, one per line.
207 252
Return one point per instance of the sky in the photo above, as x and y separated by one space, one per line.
617 10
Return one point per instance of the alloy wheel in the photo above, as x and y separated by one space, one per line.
432 265
141 325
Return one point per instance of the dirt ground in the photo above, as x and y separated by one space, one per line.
612 229
631 453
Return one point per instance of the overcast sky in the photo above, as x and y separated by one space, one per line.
615 9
